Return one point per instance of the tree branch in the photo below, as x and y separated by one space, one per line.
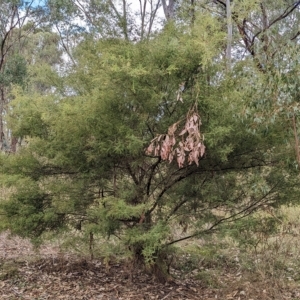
153 167
286 13
234 217
152 16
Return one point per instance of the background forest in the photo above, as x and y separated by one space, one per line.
142 128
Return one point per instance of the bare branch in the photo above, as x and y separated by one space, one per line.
64 45
286 13
152 16
234 217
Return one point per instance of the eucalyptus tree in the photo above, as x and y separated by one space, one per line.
14 15
132 20
76 20
262 26
43 56
265 33
270 34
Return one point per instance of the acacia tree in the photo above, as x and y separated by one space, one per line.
153 143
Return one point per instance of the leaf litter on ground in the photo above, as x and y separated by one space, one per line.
50 274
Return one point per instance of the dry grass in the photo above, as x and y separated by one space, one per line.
251 265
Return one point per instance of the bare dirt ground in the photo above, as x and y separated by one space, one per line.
49 274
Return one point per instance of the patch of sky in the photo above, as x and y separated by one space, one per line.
33 3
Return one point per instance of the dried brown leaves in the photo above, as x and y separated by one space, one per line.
54 275
51 274
188 146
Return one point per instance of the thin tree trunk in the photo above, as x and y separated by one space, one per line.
91 245
143 13
265 26
124 21
13 144
1 116
296 141
229 34
193 17
152 16
122 18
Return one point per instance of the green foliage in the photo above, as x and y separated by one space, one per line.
15 71
29 212
251 231
85 167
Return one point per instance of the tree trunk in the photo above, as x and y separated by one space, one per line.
13 144
229 34
2 136
168 9
296 141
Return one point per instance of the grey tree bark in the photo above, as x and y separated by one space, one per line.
229 34
168 9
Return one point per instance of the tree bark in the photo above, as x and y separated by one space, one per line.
1 116
229 34
296 141
168 9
